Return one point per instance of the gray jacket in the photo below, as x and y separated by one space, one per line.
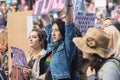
109 71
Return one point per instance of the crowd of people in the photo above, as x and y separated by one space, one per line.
71 55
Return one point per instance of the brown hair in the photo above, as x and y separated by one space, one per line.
42 36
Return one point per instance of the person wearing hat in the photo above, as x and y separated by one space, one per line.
60 44
94 46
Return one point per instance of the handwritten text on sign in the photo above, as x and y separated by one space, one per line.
45 6
84 20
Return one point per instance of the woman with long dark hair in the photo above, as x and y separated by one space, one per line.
60 45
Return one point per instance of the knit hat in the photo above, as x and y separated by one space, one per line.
95 41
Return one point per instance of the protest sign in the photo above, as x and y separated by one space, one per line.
45 6
101 3
29 25
84 20
17 34
18 63
2 0
19 57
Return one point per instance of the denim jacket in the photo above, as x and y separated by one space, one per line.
61 57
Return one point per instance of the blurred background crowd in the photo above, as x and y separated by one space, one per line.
111 10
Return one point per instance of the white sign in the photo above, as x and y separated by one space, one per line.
100 3
29 25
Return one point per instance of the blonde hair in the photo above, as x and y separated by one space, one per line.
4 39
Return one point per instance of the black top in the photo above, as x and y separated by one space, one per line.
31 63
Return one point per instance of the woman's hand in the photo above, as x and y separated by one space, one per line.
69 13
46 20
27 71
90 71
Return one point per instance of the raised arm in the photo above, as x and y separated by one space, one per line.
46 20
70 33
48 27
69 13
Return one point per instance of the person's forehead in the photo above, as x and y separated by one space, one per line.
108 21
33 33
55 25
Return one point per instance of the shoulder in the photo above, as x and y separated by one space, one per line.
110 71
69 25
111 65
48 26
111 29
42 52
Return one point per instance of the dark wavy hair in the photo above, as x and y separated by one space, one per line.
95 63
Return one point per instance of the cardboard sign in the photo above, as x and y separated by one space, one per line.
84 20
45 6
17 30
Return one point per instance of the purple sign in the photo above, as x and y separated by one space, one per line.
18 57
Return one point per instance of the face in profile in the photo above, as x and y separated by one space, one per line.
33 40
87 56
56 35
106 23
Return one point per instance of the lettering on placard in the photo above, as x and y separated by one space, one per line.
45 6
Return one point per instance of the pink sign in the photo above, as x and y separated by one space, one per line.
45 6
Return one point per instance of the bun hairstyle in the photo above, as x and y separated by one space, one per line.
61 26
